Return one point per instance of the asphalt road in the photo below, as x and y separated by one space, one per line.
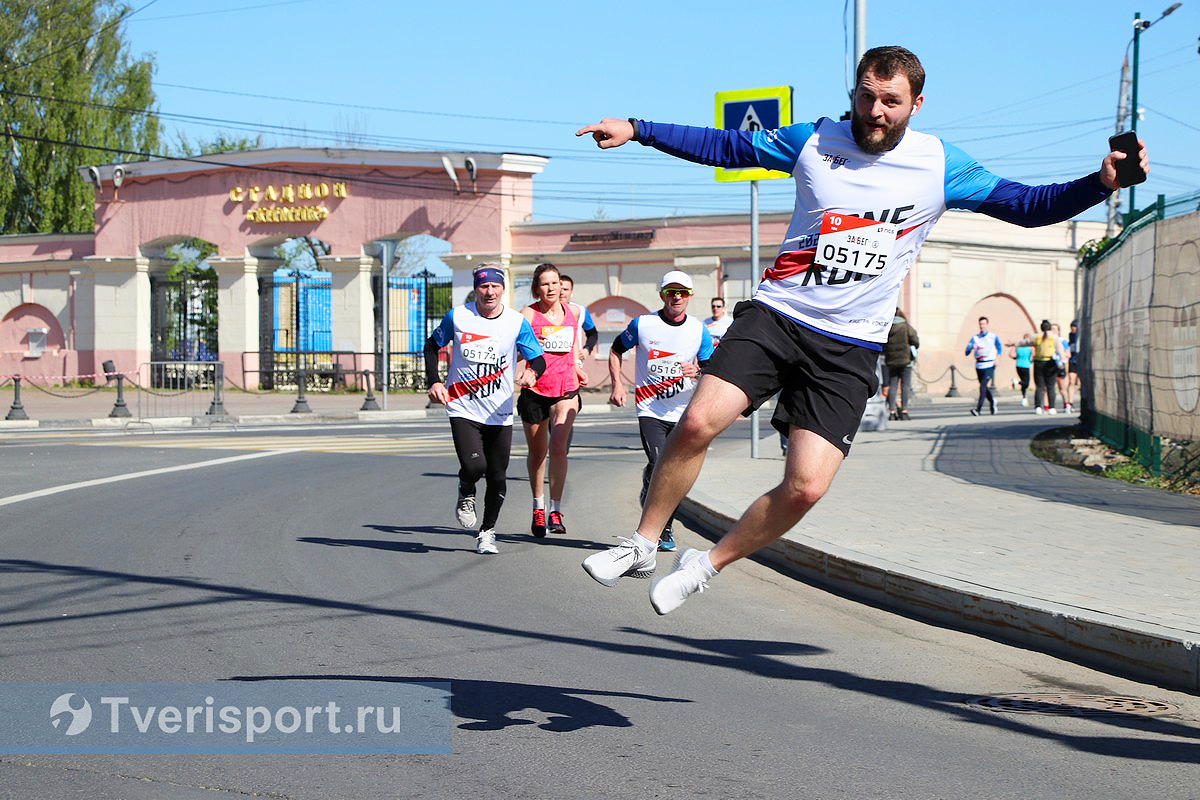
331 553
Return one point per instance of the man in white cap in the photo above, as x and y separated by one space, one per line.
671 348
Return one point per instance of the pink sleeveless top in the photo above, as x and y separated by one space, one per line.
558 342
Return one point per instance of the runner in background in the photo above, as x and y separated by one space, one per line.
485 339
719 322
671 348
549 407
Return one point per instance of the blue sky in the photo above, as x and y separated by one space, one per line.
1027 88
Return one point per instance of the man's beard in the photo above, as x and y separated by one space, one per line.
891 136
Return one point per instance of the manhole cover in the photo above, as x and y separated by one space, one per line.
1080 705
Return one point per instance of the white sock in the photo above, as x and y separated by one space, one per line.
554 505
538 502
644 545
709 570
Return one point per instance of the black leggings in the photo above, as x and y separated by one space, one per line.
483 451
1045 373
654 438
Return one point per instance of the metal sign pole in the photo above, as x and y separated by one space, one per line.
754 419
387 251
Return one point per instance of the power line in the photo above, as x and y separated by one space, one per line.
120 18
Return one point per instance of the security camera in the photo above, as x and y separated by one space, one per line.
472 168
118 177
94 176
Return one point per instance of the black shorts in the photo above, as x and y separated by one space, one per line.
534 408
824 384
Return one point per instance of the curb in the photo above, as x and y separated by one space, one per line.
1142 651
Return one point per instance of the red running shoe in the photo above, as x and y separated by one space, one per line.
556 523
538 526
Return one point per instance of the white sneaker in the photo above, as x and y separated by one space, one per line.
1025 402
1067 408
487 542
1053 411
668 592
464 511
617 562
1039 410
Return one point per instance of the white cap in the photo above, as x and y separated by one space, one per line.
675 276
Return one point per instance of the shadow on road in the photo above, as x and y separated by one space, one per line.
1175 740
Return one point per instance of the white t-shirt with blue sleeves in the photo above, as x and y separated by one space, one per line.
909 186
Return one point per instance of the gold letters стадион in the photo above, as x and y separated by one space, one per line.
288 193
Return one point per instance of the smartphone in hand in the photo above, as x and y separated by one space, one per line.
1129 170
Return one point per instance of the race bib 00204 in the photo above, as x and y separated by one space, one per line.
854 244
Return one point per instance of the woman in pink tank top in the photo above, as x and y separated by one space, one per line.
548 409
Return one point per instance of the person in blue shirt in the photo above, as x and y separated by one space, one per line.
986 348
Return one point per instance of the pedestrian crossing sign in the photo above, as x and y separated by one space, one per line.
753 110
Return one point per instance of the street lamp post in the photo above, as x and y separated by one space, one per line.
1140 25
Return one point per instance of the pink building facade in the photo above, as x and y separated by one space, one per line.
70 302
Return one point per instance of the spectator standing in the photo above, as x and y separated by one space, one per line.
485 338
898 356
986 348
719 322
671 346
1047 352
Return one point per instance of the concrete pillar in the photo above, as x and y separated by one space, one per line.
238 319
122 311
353 311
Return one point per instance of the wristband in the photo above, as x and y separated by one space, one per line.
634 123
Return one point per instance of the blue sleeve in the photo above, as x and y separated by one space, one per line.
970 344
443 334
706 346
628 338
588 325
527 343
972 188
776 149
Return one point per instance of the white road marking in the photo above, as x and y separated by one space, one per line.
67 487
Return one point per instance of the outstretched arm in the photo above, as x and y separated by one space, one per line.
713 147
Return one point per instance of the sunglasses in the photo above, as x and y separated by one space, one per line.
717 307
677 292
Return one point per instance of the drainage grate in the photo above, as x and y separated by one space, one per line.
1079 705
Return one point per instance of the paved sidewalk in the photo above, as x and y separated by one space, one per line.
951 518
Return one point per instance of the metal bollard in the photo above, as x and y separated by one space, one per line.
301 406
369 403
17 412
953 386
217 407
119 408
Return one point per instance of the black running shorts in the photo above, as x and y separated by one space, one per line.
824 384
534 408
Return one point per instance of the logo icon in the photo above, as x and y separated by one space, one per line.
847 440
81 718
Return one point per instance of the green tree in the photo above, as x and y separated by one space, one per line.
219 143
70 95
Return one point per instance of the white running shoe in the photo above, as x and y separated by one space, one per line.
1052 411
668 592
487 543
1025 402
618 562
464 512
